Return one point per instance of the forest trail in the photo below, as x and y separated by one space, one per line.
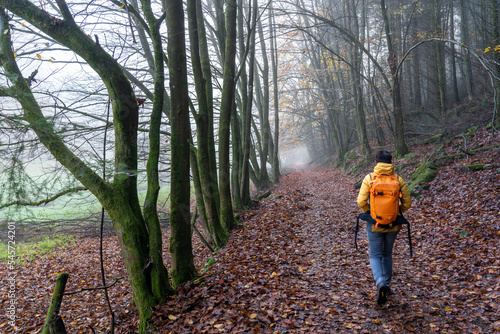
294 269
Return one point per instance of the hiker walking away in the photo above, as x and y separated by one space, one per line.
381 226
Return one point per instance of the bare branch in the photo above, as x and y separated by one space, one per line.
44 201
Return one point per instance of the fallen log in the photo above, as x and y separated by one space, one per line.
481 166
262 196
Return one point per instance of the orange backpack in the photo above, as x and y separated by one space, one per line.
384 198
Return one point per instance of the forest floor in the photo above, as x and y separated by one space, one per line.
292 266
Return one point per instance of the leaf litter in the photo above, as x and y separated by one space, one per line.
292 266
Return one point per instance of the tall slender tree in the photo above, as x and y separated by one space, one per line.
399 137
183 268
439 58
264 122
228 88
453 55
356 80
274 65
159 276
464 36
247 117
202 78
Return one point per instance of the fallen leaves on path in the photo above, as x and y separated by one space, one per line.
293 268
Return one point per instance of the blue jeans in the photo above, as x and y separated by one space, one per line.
380 246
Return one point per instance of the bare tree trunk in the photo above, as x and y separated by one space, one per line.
208 184
247 118
159 273
239 122
200 203
357 84
207 76
341 134
274 65
264 126
439 62
228 88
183 268
220 31
237 158
464 35
399 138
453 55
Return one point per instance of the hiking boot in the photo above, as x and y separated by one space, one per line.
383 292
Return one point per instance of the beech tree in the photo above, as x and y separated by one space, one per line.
228 92
247 112
200 62
274 65
137 231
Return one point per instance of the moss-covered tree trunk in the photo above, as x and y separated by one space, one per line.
226 206
236 157
120 197
208 184
247 117
183 268
254 167
220 31
200 203
53 322
264 126
159 273
237 119
259 105
207 75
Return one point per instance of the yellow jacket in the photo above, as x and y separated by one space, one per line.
364 194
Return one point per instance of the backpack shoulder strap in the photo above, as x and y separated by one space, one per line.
370 181
373 176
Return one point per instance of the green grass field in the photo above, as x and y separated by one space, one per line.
72 206
28 251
